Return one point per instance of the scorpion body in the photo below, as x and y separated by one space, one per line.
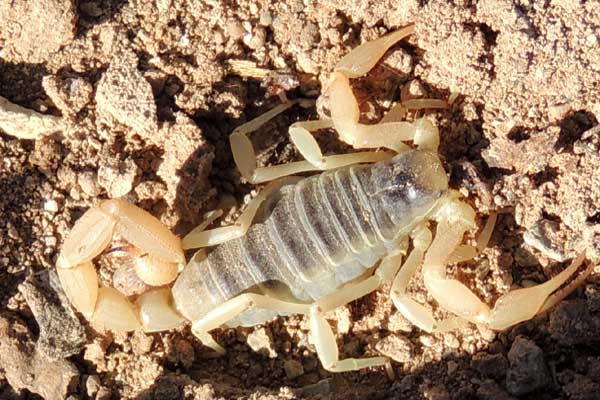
316 245
320 234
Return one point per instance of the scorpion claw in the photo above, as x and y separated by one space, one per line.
89 236
80 284
114 312
144 231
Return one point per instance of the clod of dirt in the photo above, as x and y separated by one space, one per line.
61 333
397 347
186 165
544 236
582 388
69 95
490 390
92 385
124 95
26 368
528 371
117 176
261 341
490 365
33 30
293 369
25 123
181 353
516 154
571 323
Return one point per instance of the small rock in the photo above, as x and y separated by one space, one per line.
141 343
51 206
572 323
182 352
95 353
528 371
24 123
256 39
69 95
91 8
426 340
117 176
104 393
397 347
293 369
436 392
261 342
33 30
92 385
125 96
541 236
592 295
26 368
490 390
490 365
88 181
61 333
321 388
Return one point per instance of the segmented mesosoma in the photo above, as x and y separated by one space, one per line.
322 232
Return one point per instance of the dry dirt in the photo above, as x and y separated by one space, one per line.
150 90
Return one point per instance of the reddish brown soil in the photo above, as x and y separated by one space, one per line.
150 91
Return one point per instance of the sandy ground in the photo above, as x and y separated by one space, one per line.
147 93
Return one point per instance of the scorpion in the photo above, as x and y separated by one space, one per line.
322 241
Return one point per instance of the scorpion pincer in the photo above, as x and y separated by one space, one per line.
321 242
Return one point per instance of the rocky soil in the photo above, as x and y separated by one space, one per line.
137 98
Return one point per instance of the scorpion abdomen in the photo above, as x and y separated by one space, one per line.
322 233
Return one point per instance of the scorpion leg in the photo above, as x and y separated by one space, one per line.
234 307
416 313
513 307
324 340
211 237
245 156
321 331
390 135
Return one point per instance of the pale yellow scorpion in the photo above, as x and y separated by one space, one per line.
326 241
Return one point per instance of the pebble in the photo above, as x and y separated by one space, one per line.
539 237
124 95
117 177
528 371
25 367
293 369
261 342
490 365
397 347
321 388
61 332
88 181
426 340
92 385
490 390
51 206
